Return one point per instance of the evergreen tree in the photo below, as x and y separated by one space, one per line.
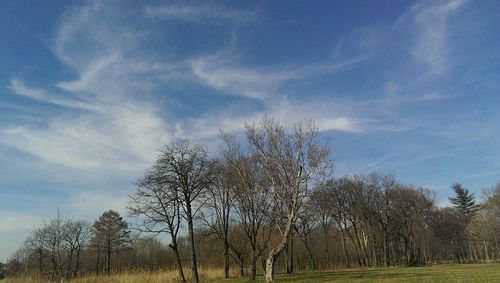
111 233
463 202
3 272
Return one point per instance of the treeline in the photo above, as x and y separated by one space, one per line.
264 206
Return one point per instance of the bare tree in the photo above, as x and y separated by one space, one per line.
491 209
335 197
111 231
239 247
190 171
157 202
382 187
54 231
219 201
304 226
76 235
251 191
321 208
291 160
36 244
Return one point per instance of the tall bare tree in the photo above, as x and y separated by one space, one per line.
219 201
190 171
321 209
76 235
157 202
54 232
291 160
251 192
36 244
305 226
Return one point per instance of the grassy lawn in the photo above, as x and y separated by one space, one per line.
438 273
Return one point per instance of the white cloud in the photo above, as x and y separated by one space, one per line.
199 13
393 99
118 138
121 130
342 124
19 88
328 116
123 124
431 43
215 71
239 81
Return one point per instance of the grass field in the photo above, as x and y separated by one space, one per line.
438 273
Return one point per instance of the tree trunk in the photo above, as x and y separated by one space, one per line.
97 260
60 264
108 258
290 254
70 261
327 246
496 244
366 258
40 262
386 250
270 268
263 263
226 257
194 267
311 256
242 268
54 265
173 246
344 247
77 262
358 256
238 256
275 252
487 256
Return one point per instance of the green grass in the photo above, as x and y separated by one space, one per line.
438 273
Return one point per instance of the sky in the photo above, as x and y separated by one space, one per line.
90 90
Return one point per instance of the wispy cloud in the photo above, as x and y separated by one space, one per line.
198 13
215 71
328 116
239 81
431 46
19 88
123 125
119 138
119 131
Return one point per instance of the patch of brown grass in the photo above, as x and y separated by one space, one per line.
164 276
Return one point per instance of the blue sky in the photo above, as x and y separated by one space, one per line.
89 90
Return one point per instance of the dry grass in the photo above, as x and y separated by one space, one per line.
439 273
163 276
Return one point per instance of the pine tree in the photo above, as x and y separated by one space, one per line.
463 202
111 233
3 272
